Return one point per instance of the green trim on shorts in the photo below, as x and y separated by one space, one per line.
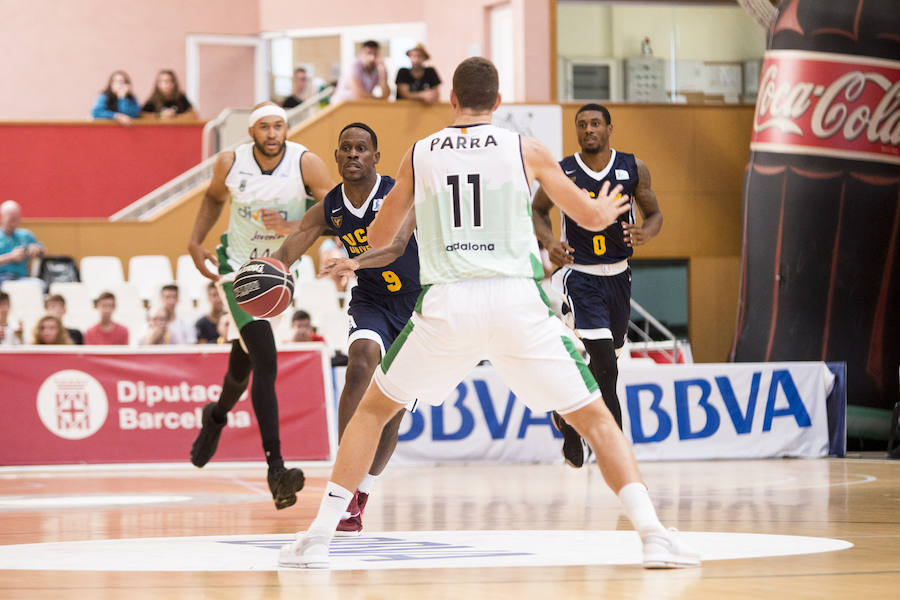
237 313
391 354
583 369
222 254
418 307
544 298
537 267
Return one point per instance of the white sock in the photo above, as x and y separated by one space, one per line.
331 510
635 498
367 484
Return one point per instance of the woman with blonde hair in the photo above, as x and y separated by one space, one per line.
49 330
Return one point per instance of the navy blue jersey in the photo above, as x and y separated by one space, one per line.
607 246
399 277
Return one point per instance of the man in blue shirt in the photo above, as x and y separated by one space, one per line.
17 246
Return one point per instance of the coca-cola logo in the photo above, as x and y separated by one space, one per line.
828 104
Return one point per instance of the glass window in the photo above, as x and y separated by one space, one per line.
657 52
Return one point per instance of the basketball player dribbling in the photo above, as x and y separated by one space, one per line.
386 291
470 185
269 182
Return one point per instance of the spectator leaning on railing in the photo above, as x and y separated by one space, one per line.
49 330
117 101
167 101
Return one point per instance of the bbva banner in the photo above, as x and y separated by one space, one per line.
670 412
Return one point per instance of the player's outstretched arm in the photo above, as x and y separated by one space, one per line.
344 267
210 208
395 208
594 214
311 226
560 252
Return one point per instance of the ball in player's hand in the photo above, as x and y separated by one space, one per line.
263 287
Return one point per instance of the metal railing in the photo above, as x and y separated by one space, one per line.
669 347
148 206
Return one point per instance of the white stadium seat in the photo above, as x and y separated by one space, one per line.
26 297
79 300
191 283
100 272
317 296
149 273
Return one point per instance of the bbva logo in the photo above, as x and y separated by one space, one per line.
636 397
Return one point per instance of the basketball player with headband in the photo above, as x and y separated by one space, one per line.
270 183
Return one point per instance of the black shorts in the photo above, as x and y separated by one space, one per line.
601 304
379 317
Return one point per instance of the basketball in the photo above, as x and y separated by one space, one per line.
263 287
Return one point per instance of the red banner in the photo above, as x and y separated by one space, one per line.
101 405
828 105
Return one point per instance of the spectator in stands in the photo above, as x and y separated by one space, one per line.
117 101
302 329
301 90
418 82
49 330
207 326
9 335
366 73
106 332
168 102
17 245
56 305
157 331
180 332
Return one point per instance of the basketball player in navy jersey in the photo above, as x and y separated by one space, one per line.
387 284
595 277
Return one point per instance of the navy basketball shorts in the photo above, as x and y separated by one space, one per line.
601 304
379 317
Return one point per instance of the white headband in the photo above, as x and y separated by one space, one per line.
269 110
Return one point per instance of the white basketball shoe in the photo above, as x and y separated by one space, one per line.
306 552
666 550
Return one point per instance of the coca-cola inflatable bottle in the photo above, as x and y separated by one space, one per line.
821 265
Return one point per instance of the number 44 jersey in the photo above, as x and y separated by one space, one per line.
351 225
473 206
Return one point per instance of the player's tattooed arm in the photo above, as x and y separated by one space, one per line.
210 208
651 217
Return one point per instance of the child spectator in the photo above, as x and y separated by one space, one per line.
56 305
117 101
302 329
157 327
106 332
167 101
179 330
9 335
207 326
49 330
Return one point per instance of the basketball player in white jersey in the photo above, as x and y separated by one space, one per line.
479 268
270 183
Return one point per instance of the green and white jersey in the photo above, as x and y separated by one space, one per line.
473 206
252 189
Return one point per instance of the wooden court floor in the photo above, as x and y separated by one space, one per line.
856 500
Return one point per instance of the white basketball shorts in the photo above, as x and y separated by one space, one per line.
504 320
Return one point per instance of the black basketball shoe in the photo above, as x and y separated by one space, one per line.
208 439
573 447
284 485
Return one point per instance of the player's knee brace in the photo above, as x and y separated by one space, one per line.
603 359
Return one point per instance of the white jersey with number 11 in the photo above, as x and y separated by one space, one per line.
473 206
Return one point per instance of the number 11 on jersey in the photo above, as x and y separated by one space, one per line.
474 180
